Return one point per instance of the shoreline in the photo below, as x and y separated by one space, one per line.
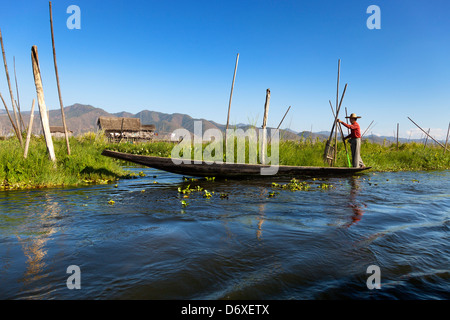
86 166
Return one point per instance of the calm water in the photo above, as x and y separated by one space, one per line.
313 244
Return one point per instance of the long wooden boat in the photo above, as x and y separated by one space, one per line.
228 170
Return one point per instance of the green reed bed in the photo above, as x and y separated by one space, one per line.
381 157
84 166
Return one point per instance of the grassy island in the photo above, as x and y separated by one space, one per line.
86 165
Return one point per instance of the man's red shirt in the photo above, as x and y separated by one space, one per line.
355 130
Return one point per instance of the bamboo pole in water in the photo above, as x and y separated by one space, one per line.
266 113
231 95
337 100
30 128
342 135
445 148
41 103
326 158
19 135
66 134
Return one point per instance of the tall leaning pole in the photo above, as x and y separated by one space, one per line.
57 82
19 134
41 103
231 96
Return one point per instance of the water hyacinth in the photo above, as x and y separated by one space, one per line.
293 185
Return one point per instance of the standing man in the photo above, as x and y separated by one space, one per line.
355 140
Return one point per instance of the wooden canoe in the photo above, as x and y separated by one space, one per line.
228 170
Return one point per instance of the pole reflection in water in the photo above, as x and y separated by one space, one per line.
33 244
261 210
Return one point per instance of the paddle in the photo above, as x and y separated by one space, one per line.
343 139
345 146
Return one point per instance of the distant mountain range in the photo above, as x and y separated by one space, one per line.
83 118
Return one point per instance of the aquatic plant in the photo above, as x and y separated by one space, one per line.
272 194
293 185
184 203
207 194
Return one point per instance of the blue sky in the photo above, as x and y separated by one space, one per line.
179 56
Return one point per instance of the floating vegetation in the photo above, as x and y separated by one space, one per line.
325 186
184 203
296 185
207 194
272 194
224 196
210 178
111 202
293 185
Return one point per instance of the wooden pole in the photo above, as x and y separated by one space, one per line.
266 113
281 121
337 100
18 100
397 135
10 90
30 128
334 124
41 103
9 116
445 148
283 117
231 95
426 139
57 82
366 130
342 135
446 140
346 120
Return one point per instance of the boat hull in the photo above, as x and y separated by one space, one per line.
229 170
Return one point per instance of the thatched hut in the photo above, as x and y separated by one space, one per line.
58 132
129 129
